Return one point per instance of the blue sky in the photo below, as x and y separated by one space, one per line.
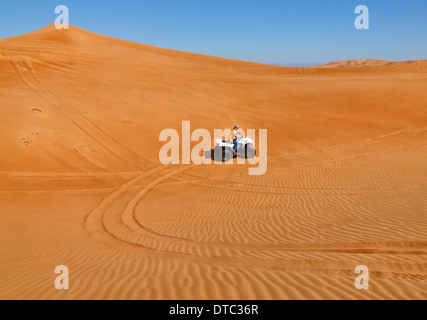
267 31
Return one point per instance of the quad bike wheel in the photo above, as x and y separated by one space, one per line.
227 154
250 151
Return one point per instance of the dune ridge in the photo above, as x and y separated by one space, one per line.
81 183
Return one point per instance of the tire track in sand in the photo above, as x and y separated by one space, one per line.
121 230
26 75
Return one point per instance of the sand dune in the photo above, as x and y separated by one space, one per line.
81 184
358 63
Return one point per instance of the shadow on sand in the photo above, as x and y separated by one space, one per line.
211 155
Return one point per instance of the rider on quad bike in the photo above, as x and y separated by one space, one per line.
234 137
237 145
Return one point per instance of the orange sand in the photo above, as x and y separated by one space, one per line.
81 184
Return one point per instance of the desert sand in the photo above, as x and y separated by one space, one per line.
81 183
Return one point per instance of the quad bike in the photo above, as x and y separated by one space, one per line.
224 150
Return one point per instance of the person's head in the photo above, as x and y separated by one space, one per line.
236 127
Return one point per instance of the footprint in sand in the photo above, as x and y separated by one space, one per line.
83 150
26 141
129 122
